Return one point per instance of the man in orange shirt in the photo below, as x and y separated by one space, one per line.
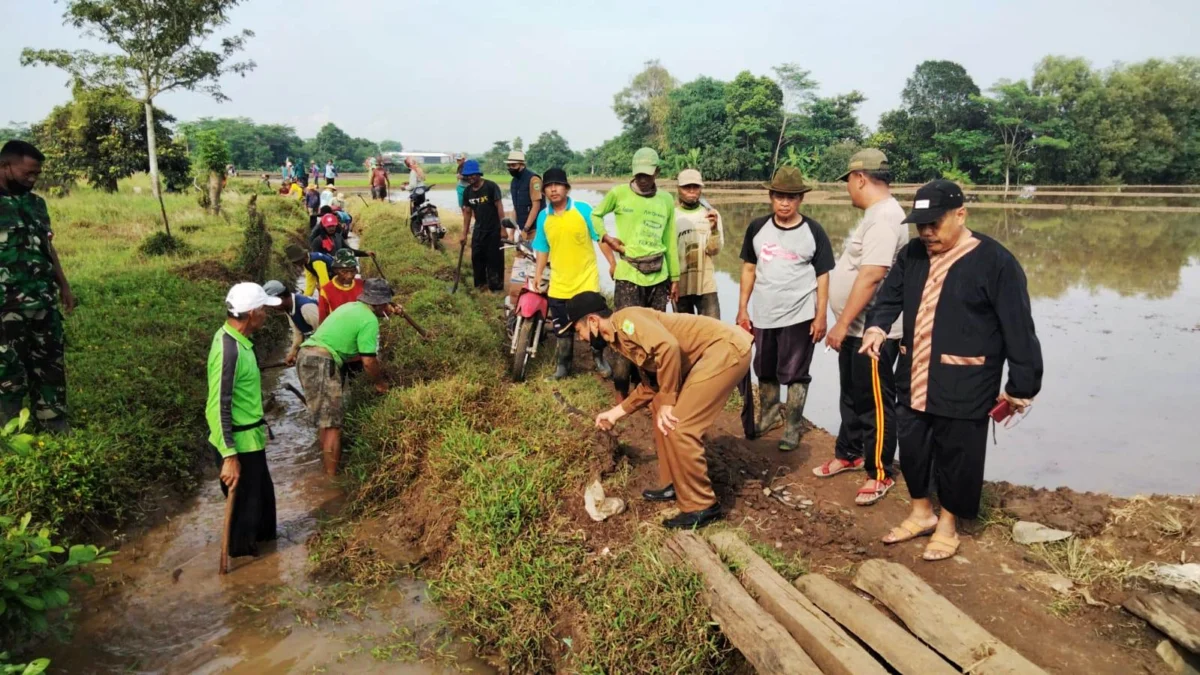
344 287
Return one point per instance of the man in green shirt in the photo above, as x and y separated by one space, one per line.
237 429
350 333
648 273
32 283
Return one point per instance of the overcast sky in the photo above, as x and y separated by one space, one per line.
458 76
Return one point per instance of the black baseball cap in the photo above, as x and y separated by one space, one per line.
934 199
582 305
555 176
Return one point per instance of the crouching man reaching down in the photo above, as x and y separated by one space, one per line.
698 361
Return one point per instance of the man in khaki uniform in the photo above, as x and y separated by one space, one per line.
698 362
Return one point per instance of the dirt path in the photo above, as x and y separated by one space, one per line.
163 608
993 579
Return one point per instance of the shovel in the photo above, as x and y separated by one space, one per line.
223 569
462 248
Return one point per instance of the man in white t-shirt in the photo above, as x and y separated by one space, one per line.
867 436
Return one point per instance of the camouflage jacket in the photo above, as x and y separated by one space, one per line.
27 280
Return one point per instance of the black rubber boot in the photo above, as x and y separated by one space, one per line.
797 395
768 398
564 351
602 367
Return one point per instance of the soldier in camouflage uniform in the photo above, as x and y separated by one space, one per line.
31 283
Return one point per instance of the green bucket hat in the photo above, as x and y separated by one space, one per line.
295 254
344 259
645 161
789 181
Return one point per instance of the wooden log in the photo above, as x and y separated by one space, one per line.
834 652
938 622
903 652
1178 660
764 643
1170 614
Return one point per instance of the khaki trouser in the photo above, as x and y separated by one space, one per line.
702 397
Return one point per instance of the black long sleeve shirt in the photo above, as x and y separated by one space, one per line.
961 323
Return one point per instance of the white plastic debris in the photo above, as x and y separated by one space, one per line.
1026 532
599 507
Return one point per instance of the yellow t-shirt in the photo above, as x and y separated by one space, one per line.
567 239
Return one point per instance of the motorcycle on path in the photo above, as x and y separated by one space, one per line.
528 322
423 219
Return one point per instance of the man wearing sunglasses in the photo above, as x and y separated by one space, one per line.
966 312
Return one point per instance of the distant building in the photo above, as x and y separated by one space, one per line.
397 158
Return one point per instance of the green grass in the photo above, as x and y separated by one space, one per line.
136 349
505 462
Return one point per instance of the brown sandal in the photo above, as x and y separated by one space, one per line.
907 531
940 548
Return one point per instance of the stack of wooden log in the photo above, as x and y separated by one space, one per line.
1176 615
818 626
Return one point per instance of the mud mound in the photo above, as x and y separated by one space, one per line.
208 270
1084 513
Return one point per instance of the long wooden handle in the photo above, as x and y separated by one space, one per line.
409 319
458 271
224 567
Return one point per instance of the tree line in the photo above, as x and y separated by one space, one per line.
1069 123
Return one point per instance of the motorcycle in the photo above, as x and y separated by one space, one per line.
528 322
424 221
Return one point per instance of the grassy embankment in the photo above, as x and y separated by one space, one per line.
136 348
486 478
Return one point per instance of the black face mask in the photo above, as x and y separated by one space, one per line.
598 342
514 172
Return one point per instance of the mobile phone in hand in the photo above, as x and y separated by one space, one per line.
1002 411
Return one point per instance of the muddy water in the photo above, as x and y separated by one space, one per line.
162 608
1116 299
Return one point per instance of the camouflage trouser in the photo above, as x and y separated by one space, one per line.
31 362
629 294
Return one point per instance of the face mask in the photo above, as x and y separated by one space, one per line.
598 342
514 172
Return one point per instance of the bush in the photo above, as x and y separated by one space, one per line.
161 243
255 258
35 577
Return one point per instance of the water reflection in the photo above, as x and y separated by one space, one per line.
1130 253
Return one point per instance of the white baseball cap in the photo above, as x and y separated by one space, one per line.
247 297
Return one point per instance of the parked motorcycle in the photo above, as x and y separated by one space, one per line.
423 219
528 323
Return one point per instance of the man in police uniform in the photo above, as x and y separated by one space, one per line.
31 284
698 361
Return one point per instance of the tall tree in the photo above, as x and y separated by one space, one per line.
643 106
697 118
753 106
941 93
493 159
798 91
161 48
391 146
99 135
549 150
1023 121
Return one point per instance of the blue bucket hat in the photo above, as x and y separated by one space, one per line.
471 168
